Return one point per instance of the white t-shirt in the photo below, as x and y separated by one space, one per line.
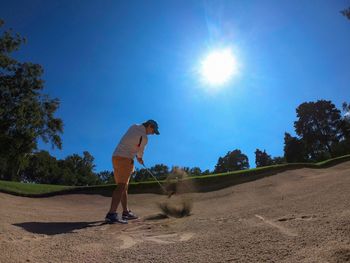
132 143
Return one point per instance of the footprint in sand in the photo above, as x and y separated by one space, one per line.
131 240
284 230
304 217
186 236
128 241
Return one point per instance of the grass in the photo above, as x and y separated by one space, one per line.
46 190
286 166
26 188
219 181
202 183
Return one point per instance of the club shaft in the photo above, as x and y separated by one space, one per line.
155 179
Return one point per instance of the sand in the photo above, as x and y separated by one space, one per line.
294 216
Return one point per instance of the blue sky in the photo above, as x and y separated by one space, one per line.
115 63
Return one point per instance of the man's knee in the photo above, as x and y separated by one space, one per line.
122 187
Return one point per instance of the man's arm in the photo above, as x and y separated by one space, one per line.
140 152
140 160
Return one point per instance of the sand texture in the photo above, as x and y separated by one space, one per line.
295 216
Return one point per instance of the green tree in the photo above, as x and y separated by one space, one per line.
345 125
346 12
343 146
160 171
232 161
319 127
42 168
26 114
278 160
140 175
206 172
294 149
196 171
262 158
77 170
106 177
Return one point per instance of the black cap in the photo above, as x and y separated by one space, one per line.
154 124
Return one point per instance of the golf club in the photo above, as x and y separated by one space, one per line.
171 209
164 190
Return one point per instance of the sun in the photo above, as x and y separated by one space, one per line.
218 67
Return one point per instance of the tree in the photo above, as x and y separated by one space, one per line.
196 171
278 160
262 158
106 177
42 168
343 146
77 170
26 114
206 172
294 149
345 125
140 175
319 127
232 161
160 171
346 12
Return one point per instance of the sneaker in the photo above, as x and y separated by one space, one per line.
128 215
113 218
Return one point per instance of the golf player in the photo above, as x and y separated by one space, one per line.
130 146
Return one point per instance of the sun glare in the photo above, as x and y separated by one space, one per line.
218 67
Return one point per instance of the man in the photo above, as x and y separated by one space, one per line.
132 144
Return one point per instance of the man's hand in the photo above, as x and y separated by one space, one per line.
140 160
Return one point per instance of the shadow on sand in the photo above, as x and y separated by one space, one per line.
55 228
157 217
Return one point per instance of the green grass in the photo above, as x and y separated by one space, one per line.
285 166
201 183
26 188
45 190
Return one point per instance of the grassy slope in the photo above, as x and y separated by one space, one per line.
23 188
202 183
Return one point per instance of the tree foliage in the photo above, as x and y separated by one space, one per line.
323 132
343 146
232 161
160 171
106 177
319 127
294 149
345 124
195 171
262 158
42 168
80 169
278 160
26 114
346 12
206 172
140 175
73 170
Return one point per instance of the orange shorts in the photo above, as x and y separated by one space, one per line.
122 168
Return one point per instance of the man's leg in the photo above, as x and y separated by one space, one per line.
127 214
117 197
124 199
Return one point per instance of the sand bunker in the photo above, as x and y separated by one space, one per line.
295 216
